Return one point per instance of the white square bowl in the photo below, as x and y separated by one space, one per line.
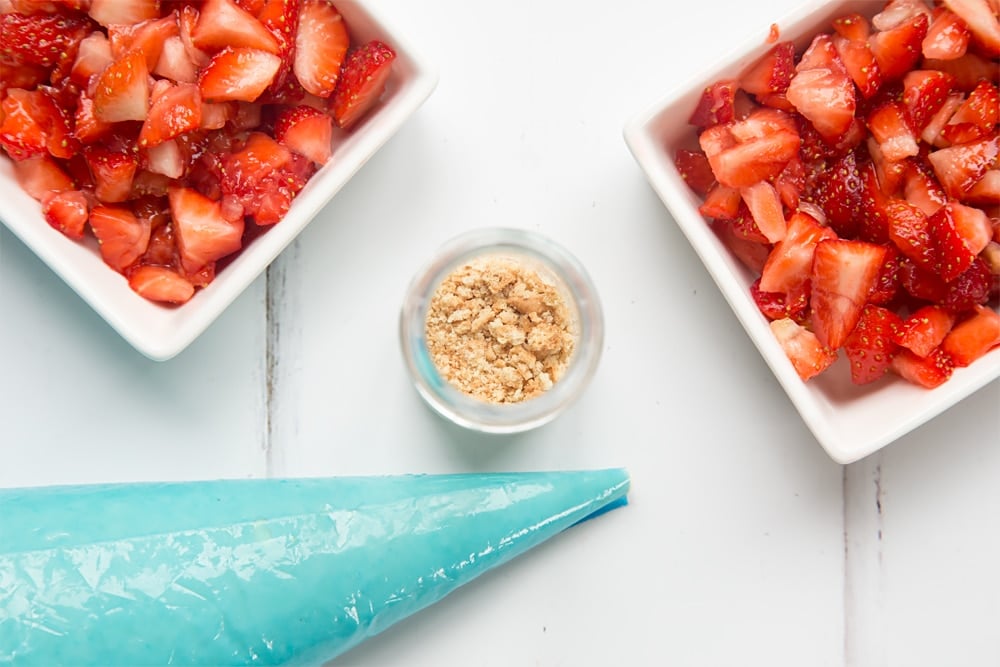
849 421
161 332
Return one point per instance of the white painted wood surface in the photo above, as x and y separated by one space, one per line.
743 543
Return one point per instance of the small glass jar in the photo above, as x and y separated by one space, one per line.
553 264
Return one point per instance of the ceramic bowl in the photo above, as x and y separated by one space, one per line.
161 332
849 421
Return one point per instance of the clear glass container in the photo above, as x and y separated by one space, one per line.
557 267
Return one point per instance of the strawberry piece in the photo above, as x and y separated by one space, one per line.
281 17
112 171
922 190
981 20
87 128
871 345
175 62
223 23
165 158
789 266
887 284
960 167
778 305
874 224
825 96
40 175
860 63
203 234
722 203
754 149
745 227
307 131
973 337
122 236
986 190
853 27
803 348
764 205
159 283
976 118
909 231
148 37
952 253
843 274
898 12
924 91
366 71
122 91
264 177
920 283
929 372
968 70
890 129
970 288
694 168
21 135
175 111
898 49
751 254
40 39
947 36
931 134
321 45
924 330
972 225
239 74
770 74
111 12
717 105
92 55
66 211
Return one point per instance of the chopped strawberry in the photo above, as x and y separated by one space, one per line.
361 83
909 231
922 190
972 225
953 256
874 224
113 172
770 74
122 91
165 158
148 37
175 61
223 23
40 39
920 283
215 115
40 175
838 190
973 337
281 17
860 63
853 27
976 118
803 348
898 49
751 150
931 134
203 234
21 134
924 330
890 129
981 20
887 284
825 96
122 236
960 167
159 283
929 372
751 254
968 70
986 190
321 45
721 203
264 177
898 12
924 91
745 227
764 205
307 131
778 305
947 37
111 12
971 288
240 74
67 211
694 168
843 274
871 345
92 56
789 266
176 111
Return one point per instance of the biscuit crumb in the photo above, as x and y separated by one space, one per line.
498 331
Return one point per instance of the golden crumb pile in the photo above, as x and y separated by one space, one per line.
498 331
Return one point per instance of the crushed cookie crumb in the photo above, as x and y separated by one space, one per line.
498 331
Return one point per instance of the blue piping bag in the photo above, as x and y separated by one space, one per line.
259 572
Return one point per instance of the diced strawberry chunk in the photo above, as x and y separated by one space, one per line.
898 12
860 63
175 111
113 172
240 74
147 37
751 254
931 134
968 70
973 337
924 330
922 190
223 23
953 255
972 225
947 37
853 27
871 345
958 168
770 74
92 56
694 168
929 372
890 129
789 266
40 175
843 275
754 149
175 62
898 49
765 206
874 224
909 231
986 190
887 284
976 118
803 348
826 98
924 91
122 91
158 283
970 288
307 131
981 20
111 12
203 234
721 202
362 81
40 39
320 47
122 236
66 211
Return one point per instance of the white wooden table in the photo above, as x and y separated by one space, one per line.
744 544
